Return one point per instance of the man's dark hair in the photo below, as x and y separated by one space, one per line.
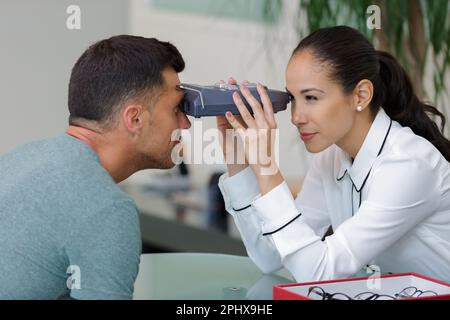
115 70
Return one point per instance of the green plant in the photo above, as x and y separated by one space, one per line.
410 29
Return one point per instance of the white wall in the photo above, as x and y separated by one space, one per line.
37 53
216 48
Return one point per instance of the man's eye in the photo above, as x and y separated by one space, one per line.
291 97
311 98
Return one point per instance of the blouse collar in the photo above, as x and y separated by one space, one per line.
367 154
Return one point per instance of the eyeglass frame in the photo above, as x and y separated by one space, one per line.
325 295
374 296
413 295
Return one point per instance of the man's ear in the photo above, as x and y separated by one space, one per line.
132 117
363 93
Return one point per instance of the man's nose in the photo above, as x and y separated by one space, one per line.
185 123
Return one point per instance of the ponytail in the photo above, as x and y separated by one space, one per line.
401 104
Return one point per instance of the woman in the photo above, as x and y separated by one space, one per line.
380 175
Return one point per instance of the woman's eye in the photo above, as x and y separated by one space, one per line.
311 98
291 97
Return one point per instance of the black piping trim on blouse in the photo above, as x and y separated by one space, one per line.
343 175
367 176
237 210
272 232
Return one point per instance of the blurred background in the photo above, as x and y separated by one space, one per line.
181 209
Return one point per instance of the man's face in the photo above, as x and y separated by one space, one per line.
160 122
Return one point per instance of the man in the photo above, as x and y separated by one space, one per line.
66 228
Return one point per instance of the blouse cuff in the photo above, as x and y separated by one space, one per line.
240 189
276 209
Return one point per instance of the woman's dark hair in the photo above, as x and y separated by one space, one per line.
352 58
114 70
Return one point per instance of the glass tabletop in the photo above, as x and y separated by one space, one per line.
179 276
207 276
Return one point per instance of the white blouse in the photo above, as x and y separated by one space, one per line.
390 208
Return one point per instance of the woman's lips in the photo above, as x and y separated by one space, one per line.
307 136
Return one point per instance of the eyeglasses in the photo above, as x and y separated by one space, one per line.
413 292
317 293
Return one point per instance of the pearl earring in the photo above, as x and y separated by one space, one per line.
359 108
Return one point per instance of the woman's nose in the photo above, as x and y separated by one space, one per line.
298 118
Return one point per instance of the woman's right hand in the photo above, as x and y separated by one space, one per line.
233 150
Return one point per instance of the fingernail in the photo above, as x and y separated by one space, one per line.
228 114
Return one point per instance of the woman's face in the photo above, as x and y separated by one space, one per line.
321 111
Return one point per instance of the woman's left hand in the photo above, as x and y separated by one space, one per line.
259 137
